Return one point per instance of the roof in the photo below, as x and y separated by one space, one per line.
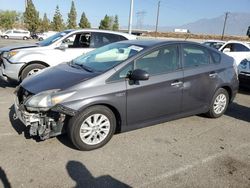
152 43
129 36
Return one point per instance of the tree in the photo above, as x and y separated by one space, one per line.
72 16
106 23
57 24
8 19
115 26
45 23
84 22
31 17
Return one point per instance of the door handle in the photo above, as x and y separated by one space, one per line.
176 83
212 74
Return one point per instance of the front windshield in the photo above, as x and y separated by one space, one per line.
107 57
53 38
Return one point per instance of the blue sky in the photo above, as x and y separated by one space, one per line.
172 12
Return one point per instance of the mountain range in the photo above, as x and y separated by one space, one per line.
237 24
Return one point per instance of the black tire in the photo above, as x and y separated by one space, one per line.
40 39
6 37
212 113
75 123
25 72
25 38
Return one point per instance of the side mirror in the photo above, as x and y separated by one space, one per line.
63 46
226 50
139 74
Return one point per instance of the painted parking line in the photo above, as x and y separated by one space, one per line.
190 166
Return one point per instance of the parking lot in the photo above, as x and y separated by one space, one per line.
190 152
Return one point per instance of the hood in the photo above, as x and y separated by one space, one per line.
15 47
60 77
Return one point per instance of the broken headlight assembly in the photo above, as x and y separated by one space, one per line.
45 100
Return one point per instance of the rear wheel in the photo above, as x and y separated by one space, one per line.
25 38
92 128
219 103
31 69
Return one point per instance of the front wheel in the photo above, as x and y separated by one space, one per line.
92 128
31 69
6 37
219 103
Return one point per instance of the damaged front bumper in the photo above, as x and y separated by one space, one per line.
43 124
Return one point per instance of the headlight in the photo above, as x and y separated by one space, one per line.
9 54
243 64
45 100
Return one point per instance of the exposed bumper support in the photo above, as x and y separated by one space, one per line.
42 124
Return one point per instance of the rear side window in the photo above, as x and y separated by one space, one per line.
240 48
101 39
194 56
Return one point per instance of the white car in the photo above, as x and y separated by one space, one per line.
16 34
19 62
236 49
45 35
244 72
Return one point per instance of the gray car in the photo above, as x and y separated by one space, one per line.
124 86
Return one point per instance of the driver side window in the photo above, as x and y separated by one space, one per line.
79 40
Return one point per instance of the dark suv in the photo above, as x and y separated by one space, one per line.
124 86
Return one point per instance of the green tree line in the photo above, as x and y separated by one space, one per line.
30 20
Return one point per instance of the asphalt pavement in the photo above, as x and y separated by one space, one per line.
190 152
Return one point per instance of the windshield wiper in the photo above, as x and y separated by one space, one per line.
86 68
75 65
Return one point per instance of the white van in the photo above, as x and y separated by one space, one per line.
16 34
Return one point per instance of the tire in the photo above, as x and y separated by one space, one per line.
5 37
30 69
219 104
40 39
25 38
91 140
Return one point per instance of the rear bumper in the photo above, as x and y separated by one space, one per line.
244 79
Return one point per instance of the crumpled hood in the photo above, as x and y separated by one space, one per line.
61 77
15 47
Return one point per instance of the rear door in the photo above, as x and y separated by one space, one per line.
200 77
161 95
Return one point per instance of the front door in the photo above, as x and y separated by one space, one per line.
161 95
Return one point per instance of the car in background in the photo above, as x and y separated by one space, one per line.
16 34
214 43
20 62
45 35
244 72
236 49
124 86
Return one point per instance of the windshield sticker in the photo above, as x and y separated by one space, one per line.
136 48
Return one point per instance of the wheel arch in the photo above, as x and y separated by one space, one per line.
113 109
229 91
30 63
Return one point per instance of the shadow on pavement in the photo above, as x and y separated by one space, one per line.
244 90
66 141
19 127
4 179
238 111
83 178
